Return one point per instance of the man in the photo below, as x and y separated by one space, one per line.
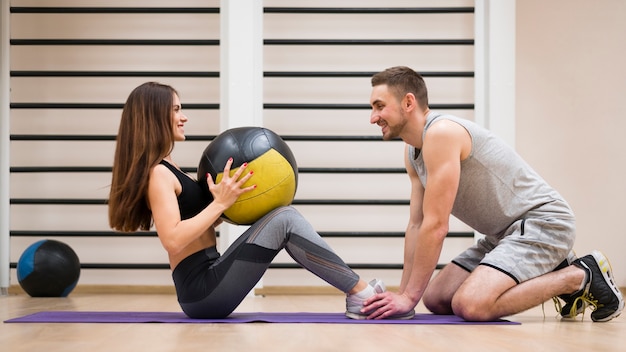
459 168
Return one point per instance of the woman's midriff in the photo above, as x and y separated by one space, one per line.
201 243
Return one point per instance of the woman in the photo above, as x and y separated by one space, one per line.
148 188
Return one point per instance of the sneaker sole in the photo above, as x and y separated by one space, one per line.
356 316
607 274
359 316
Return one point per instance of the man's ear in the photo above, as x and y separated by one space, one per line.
409 102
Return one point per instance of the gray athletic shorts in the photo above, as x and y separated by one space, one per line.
530 247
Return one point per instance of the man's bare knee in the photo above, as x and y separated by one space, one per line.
438 295
435 304
471 309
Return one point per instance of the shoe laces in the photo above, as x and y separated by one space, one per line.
587 300
557 305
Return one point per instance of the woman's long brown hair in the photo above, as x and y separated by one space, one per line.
144 138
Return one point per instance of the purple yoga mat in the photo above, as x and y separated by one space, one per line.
178 317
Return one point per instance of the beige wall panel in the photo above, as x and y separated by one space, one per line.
104 250
320 122
114 58
105 90
456 225
367 250
368 26
152 277
88 185
466 114
363 218
367 58
342 154
356 217
450 90
97 121
353 186
201 122
188 154
316 90
88 153
64 121
453 247
357 90
114 26
330 122
299 277
117 3
62 153
380 250
59 217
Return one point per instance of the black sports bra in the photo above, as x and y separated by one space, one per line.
191 199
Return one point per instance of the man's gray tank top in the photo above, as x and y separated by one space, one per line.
497 187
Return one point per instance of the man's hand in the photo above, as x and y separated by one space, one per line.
387 304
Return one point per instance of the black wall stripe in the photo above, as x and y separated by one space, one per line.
368 42
368 10
111 10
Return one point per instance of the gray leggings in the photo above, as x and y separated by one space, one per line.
212 286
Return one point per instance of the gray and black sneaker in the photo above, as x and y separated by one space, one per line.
573 305
568 311
600 291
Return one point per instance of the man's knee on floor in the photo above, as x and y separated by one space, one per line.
472 308
436 304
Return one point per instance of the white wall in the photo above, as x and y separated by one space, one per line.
571 83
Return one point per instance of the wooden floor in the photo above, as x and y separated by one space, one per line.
536 333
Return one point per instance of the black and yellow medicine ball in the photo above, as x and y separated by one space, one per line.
268 156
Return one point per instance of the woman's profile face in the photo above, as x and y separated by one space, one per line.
179 119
